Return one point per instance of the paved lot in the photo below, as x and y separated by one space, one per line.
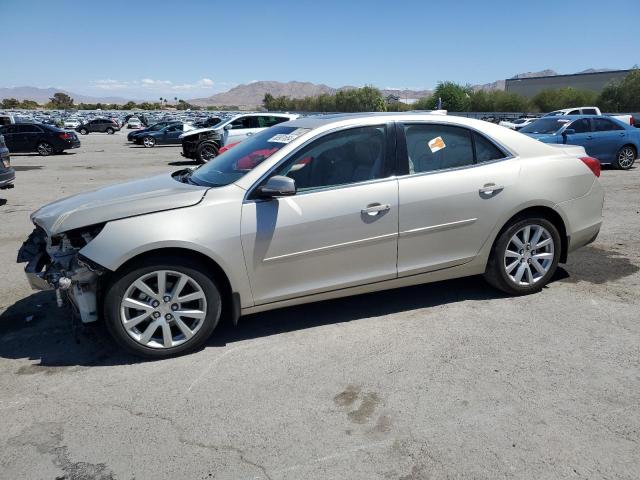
449 380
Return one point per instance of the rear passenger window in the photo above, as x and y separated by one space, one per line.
485 150
589 111
437 147
605 125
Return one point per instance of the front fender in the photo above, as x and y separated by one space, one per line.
211 228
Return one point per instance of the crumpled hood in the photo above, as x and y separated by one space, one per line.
198 131
123 200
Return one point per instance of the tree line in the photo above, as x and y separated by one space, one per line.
62 101
621 96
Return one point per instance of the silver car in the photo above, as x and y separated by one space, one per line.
313 209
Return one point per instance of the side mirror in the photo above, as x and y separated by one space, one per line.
277 186
569 131
228 127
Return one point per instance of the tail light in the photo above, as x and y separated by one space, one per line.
65 136
632 121
593 164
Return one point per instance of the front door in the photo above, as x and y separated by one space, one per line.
339 230
581 136
457 188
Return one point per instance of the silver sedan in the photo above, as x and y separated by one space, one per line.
313 209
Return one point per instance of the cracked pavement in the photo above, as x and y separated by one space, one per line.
447 380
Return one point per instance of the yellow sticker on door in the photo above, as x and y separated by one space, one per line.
436 144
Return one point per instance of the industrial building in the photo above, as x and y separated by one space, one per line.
595 82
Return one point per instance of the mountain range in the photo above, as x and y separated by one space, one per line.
42 95
250 95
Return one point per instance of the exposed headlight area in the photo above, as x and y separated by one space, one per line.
54 262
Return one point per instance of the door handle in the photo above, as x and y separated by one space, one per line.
490 189
374 209
249 134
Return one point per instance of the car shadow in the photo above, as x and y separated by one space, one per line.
36 154
34 328
183 163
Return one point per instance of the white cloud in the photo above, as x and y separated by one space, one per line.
150 87
110 84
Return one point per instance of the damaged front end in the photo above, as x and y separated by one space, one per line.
54 262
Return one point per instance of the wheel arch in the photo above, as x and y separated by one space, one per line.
230 299
546 212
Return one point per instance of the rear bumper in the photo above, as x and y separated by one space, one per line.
583 217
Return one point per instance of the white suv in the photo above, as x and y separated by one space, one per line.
203 144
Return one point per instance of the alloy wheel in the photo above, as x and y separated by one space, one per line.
45 149
148 142
529 255
163 309
626 157
208 152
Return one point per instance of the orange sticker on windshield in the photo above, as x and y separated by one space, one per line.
436 144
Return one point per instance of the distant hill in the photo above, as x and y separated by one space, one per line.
250 95
42 95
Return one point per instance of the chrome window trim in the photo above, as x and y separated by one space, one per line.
256 184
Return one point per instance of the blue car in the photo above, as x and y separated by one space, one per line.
153 128
603 138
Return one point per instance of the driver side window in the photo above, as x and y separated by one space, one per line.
340 158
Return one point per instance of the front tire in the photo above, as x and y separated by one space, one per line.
149 142
110 131
160 308
525 256
625 158
84 131
206 151
44 149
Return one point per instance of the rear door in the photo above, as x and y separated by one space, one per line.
30 136
458 185
608 137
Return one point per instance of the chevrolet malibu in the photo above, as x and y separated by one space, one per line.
313 209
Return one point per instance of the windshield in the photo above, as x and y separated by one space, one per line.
236 162
545 125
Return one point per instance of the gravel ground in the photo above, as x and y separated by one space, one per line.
448 380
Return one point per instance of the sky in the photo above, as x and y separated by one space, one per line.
192 48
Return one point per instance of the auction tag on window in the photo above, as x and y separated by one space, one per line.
288 137
436 144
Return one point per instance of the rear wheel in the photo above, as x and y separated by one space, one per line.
160 308
110 131
83 131
149 142
625 158
45 149
524 256
206 151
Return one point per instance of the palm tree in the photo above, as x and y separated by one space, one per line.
160 102
176 99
